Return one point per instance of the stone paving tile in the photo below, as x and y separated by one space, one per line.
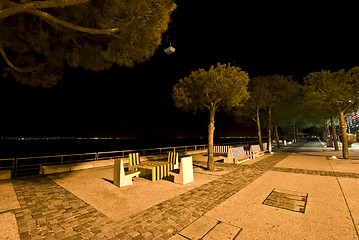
48 211
178 212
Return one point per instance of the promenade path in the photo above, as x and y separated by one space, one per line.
234 203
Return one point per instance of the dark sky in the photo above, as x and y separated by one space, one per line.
262 38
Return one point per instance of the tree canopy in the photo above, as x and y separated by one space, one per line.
223 86
37 38
338 90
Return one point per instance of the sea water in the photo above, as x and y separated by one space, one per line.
25 147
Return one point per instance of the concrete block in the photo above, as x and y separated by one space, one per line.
120 177
103 163
81 166
50 169
5 174
229 158
185 153
185 174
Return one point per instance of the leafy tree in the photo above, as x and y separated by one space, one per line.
318 111
285 103
222 86
38 37
340 90
251 109
271 92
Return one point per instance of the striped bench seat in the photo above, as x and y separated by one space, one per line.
221 149
157 169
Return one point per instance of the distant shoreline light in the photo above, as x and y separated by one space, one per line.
105 138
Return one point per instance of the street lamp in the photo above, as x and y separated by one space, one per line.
170 50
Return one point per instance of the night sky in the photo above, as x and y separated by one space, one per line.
295 38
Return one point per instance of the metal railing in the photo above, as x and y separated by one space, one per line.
22 166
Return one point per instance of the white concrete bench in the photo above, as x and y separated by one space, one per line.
226 151
81 166
257 150
122 178
50 169
59 168
184 174
193 152
265 147
253 152
103 163
239 155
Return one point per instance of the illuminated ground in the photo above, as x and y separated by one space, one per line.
226 204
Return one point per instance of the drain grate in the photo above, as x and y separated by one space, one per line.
285 199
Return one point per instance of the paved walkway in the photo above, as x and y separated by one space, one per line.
47 210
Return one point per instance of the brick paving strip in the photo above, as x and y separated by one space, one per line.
49 211
317 172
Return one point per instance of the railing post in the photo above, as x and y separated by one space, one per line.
14 167
16 163
62 159
96 156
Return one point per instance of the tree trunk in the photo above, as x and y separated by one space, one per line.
259 129
210 161
327 136
334 133
270 130
276 134
343 128
297 134
325 132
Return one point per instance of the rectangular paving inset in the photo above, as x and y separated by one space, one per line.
208 228
286 199
223 231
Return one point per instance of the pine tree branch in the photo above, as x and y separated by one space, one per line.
49 17
346 108
9 63
14 8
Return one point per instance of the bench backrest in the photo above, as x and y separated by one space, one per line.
265 146
172 157
187 169
255 148
238 152
221 149
134 159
